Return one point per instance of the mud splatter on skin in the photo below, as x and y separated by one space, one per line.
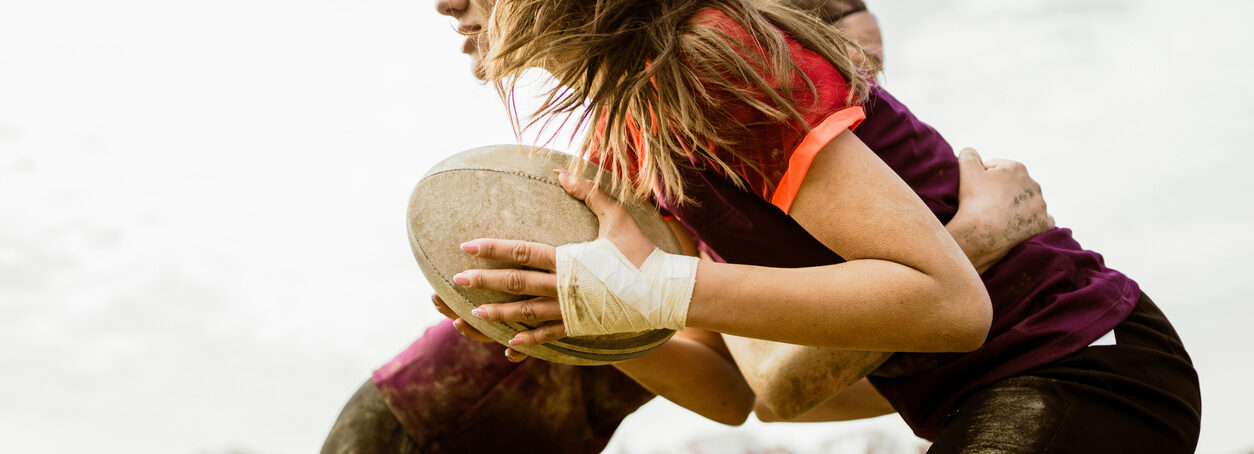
984 246
818 378
793 380
1036 221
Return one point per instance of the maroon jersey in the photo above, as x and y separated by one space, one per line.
1050 296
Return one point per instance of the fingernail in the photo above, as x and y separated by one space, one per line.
461 279
470 248
477 312
515 342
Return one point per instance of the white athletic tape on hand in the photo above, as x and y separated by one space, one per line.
601 292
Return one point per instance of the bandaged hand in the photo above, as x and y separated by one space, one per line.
601 292
617 284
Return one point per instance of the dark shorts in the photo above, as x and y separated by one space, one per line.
1139 395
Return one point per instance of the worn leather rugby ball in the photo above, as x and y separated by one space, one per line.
511 192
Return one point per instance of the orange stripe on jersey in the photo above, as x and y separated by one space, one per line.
846 119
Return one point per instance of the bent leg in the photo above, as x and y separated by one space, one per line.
450 394
1140 395
367 426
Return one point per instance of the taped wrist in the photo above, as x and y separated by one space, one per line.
601 292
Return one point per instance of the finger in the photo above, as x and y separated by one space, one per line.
514 356
525 253
516 281
442 307
548 332
470 332
460 325
531 310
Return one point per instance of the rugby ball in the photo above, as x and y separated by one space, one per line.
511 192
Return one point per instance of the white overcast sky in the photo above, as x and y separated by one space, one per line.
202 243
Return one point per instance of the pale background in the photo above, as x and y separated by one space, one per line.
202 243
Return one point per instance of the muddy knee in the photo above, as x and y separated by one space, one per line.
367 425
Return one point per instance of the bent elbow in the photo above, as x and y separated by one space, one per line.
735 413
969 327
970 342
732 416
735 420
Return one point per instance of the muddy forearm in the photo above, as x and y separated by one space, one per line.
860 400
792 379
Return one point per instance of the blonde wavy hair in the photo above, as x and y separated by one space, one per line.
643 65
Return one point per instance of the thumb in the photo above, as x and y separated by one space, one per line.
597 200
970 169
614 222
969 161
